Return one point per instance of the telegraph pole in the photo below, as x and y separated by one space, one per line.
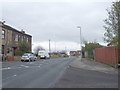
55 46
49 48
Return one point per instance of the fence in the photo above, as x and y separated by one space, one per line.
107 55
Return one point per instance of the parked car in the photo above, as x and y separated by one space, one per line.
28 57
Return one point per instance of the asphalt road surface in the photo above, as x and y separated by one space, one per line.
55 73
82 78
38 74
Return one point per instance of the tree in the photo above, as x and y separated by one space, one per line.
24 47
89 48
112 24
37 49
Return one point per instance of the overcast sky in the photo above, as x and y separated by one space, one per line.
57 20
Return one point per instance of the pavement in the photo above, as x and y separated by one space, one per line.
88 74
88 64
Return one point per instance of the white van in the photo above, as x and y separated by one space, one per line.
43 54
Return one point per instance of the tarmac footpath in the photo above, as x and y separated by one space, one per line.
88 64
88 74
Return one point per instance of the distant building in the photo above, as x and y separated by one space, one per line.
72 53
75 53
11 38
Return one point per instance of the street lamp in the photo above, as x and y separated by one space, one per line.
80 37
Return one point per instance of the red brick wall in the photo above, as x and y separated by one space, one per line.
107 55
10 58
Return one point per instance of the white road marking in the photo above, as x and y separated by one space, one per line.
9 68
24 66
14 75
10 77
38 66
5 68
31 62
18 67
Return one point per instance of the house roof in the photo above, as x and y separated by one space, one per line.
13 29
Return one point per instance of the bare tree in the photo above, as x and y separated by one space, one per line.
37 49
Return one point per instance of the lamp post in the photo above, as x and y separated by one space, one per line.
80 38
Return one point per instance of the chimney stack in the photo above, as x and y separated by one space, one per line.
23 31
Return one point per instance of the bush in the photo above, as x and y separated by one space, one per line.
19 53
24 47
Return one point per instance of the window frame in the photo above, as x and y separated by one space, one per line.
3 34
16 37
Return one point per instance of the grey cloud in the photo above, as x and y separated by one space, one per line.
57 21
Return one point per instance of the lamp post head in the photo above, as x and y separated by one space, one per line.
78 27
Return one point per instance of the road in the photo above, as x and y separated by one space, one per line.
82 78
38 74
58 73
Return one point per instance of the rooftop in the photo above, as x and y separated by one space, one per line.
13 29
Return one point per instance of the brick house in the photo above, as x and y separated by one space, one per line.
11 39
0 42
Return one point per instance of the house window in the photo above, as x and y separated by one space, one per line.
3 34
16 37
19 38
27 39
3 48
22 38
